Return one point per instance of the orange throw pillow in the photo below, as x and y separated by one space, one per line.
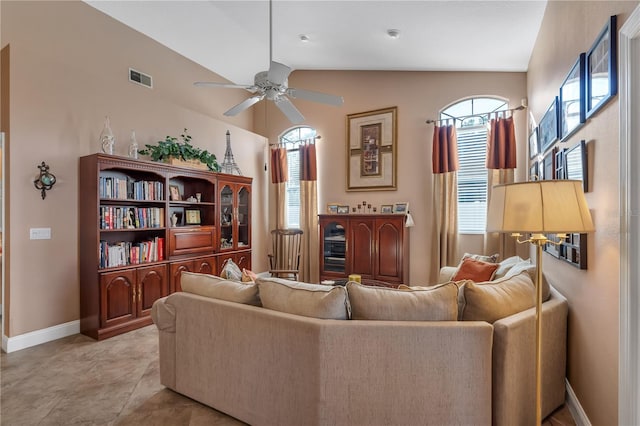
475 270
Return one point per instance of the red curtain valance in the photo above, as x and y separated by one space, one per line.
279 167
445 149
501 144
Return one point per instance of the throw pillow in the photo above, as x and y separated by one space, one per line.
506 265
309 300
491 301
475 270
219 288
436 303
491 259
248 276
231 271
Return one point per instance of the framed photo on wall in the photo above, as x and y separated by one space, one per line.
548 128
576 164
534 147
602 68
571 99
371 150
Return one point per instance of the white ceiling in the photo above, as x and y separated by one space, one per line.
231 38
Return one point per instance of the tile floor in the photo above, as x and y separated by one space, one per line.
78 381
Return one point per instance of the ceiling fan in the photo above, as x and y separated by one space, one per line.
272 85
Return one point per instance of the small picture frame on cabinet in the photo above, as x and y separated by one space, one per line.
343 210
386 209
401 208
174 193
192 216
332 208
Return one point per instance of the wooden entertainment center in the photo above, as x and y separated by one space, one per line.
132 254
374 246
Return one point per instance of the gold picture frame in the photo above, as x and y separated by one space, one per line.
371 150
192 216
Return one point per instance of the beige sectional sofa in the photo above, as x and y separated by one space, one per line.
267 367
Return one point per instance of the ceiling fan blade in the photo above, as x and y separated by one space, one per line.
278 73
289 110
249 87
243 105
315 96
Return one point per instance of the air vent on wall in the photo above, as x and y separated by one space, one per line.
140 78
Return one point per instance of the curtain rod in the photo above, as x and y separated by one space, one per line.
464 117
300 141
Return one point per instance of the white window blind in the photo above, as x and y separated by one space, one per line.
472 180
293 189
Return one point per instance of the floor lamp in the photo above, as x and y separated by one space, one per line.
538 208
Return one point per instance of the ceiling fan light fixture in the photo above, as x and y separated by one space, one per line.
393 33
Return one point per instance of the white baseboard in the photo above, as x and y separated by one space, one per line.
575 408
33 338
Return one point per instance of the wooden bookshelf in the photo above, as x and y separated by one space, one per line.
131 252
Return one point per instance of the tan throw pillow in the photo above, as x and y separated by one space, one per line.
437 303
475 270
219 288
490 259
309 300
491 301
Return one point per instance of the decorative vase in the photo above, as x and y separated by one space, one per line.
107 140
174 220
133 146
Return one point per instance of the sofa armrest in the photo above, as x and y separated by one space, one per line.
514 362
446 273
163 314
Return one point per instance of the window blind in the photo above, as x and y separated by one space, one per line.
472 180
293 189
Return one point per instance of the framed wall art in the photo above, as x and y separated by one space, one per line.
534 147
576 164
174 193
371 150
533 171
192 216
559 165
571 99
549 165
548 128
602 69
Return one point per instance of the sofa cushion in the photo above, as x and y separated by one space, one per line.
309 300
493 300
437 303
530 268
475 270
219 288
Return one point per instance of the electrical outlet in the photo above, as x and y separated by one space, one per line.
40 233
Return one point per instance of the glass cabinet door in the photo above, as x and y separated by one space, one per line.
244 219
334 246
226 218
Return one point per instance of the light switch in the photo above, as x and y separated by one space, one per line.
40 233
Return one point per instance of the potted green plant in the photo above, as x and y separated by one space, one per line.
171 147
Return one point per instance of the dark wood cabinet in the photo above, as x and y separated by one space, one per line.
141 224
374 246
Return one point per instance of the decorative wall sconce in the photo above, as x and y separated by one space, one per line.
45 180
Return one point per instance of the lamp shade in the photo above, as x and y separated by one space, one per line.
539 207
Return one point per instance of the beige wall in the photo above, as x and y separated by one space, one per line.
569 28
418 96
69 68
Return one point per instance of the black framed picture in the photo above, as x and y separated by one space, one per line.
559 165
571 99
602 68
548 128
549 165
576 164
534 147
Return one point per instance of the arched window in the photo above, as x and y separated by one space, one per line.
291 140
471 117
